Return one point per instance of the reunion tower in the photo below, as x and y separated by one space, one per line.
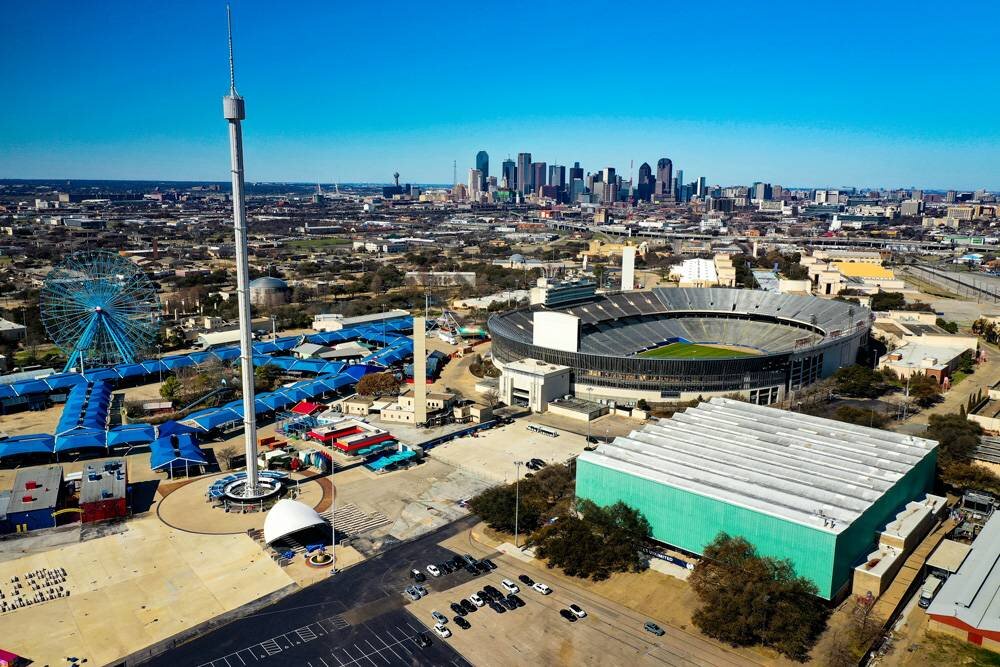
234 112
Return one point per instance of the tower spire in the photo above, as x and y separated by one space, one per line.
232 68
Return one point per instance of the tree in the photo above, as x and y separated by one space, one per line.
378 384
857 636
860 382
748 599
950 327
888 301
495 506
924 390
491 397
224 454
266 377
596 542
861 417
171 388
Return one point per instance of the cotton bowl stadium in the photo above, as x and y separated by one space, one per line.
682 343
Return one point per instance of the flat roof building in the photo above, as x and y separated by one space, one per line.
37 493
102 491
968 604
812 490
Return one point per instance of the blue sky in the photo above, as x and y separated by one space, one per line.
797 93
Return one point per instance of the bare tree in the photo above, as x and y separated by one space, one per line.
491 397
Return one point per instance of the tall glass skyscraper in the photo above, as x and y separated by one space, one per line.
509 173
664 177
525 177
483 165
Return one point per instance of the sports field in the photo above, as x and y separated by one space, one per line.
693 351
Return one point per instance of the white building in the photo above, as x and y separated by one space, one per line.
533 384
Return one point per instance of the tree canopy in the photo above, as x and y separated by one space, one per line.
957 439
747 599
378 384
860 382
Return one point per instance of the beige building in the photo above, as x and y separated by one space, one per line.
404 409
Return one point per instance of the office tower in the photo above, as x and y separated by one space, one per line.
761 191
608 175
950 197
524 175
664 178
679 185
777 192
576 171
483 166
917 195
509 174
475 184
576 188
702 189
645 189
538 175
557 175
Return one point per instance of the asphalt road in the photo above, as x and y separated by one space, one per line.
356 618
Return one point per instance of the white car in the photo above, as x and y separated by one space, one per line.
542 588
476 600
433 569
442 631
439 617
510 586
577 611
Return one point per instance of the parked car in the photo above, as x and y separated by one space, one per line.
467 606
417 575
423 640
482 567
458 562
577 611
457 608
462 623
442 631
516 598
568 615
412 593
526 580
469 559
541 588
497 608
490 564
477 599
510 604
654 628
471 569
439 617
538 462
510 586
446 568
491 590
420 589
433 569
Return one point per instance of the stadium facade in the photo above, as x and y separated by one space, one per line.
812 490
780 342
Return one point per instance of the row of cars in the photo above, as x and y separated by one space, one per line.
492 597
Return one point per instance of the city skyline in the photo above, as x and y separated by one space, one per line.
334 103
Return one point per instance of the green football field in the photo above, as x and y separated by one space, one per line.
692 351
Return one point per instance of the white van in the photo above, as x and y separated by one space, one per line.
930 588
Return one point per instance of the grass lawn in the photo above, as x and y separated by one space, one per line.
693 351
316 244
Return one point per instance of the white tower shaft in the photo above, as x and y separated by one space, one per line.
235 112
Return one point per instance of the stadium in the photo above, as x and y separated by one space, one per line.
682 343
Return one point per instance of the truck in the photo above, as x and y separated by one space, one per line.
930 588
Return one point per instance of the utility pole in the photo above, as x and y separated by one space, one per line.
517 499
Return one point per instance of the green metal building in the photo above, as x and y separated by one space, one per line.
812 490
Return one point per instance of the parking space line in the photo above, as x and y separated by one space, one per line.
324 662
387 646
333 655
365 655
378 651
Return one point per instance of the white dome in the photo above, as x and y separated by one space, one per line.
287 517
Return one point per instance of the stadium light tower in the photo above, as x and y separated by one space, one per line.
235 112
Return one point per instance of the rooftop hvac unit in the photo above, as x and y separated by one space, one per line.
27 499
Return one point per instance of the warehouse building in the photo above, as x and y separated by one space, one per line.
36 495
812 490
102 491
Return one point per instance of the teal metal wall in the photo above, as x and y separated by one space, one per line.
691 521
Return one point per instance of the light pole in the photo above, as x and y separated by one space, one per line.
333 518
517 498
590 399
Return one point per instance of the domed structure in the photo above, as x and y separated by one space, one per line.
287 517
268 291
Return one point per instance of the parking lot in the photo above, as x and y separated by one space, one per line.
491 454
537 634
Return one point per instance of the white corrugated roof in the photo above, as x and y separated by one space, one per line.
972 595
814 471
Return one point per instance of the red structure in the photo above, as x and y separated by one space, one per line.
103 491
351 436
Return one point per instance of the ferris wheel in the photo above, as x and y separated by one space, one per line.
100 309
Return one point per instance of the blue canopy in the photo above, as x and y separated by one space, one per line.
99 374
30 387
127 434
36 443
7 391
63 380
131 370
226 353
201 357
182 361
84 438
153 366
214 418
175 451
172 427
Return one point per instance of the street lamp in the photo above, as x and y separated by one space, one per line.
517 498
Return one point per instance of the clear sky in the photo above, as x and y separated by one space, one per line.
884 93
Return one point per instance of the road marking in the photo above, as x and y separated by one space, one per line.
305 634
324 662
377 650
270 646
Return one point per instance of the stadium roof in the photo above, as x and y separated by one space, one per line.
972 595
813 471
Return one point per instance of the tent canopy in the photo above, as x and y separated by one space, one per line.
175 451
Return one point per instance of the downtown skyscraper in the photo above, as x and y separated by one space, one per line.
525 183
483 165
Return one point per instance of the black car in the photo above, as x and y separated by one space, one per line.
491 589
497 608
526 580
490 564
423 640
446 568
538 462
458 562
468 606
484 596
510 604
482 567
417 575
516 599
462 623
469 559
457 608
568 615
471 569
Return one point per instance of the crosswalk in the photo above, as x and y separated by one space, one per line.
351 521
